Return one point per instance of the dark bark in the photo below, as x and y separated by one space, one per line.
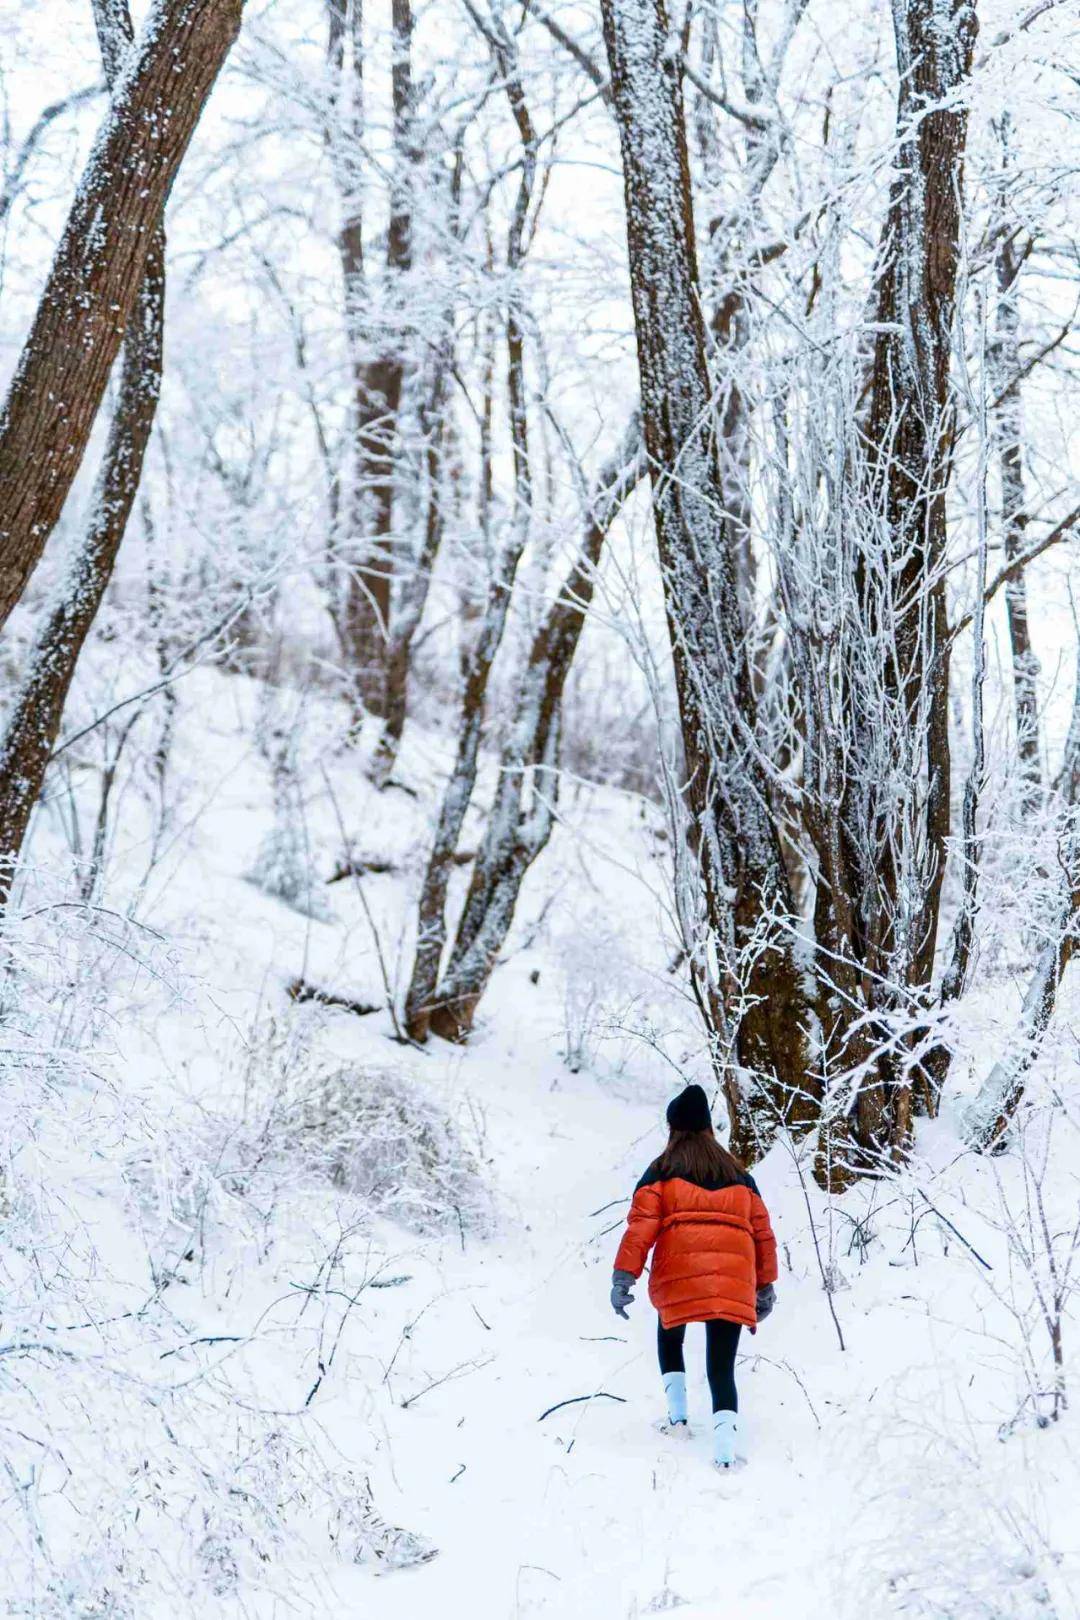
759 1001
908 461
34 718
377 382
98 270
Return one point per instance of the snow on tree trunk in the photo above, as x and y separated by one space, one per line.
413 587
1009 422
378 378
36 711
521 818
893 884
96 275
760 998
1002 1091
421 997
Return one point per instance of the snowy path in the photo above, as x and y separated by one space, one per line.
877 1484
589 1512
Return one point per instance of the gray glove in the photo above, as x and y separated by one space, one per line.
621 1284
766 1299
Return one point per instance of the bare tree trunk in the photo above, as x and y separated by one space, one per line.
412 595
365 619
760 1000
37 708
1002 1091
909 440
518 829
954 979
97 273
413 592
431 911
1009 422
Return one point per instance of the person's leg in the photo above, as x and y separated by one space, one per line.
721 1344
669 1347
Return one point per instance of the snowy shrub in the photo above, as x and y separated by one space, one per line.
363 1537
283 870
956 1539
112 1185
375 1133
378 1134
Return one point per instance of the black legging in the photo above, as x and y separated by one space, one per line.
721 1343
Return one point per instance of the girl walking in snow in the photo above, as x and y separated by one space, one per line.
714 1259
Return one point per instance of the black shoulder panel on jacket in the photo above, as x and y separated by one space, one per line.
653 1174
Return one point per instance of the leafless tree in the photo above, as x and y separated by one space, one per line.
749 959
98 271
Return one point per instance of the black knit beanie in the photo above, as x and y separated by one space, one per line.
689 1111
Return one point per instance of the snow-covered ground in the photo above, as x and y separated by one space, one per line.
229 1315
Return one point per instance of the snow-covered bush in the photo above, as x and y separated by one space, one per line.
378 1134
955 1537
119 1194
299 1120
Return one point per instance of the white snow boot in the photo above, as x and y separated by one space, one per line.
725 1431
675 1390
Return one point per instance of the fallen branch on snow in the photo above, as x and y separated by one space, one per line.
600 1395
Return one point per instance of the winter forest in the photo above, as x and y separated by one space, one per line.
538 567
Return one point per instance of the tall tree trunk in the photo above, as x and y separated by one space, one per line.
1009 424
34 717
760 1002
1002 1092
518 826
377 381
412 595
421 998
98 270
902 594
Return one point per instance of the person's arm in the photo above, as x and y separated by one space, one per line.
642 1227
764 1240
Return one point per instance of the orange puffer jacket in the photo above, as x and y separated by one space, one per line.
714 1248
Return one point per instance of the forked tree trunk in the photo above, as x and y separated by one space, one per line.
421 997
98 270
521 817
760 999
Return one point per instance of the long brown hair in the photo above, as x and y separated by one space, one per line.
698 1156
